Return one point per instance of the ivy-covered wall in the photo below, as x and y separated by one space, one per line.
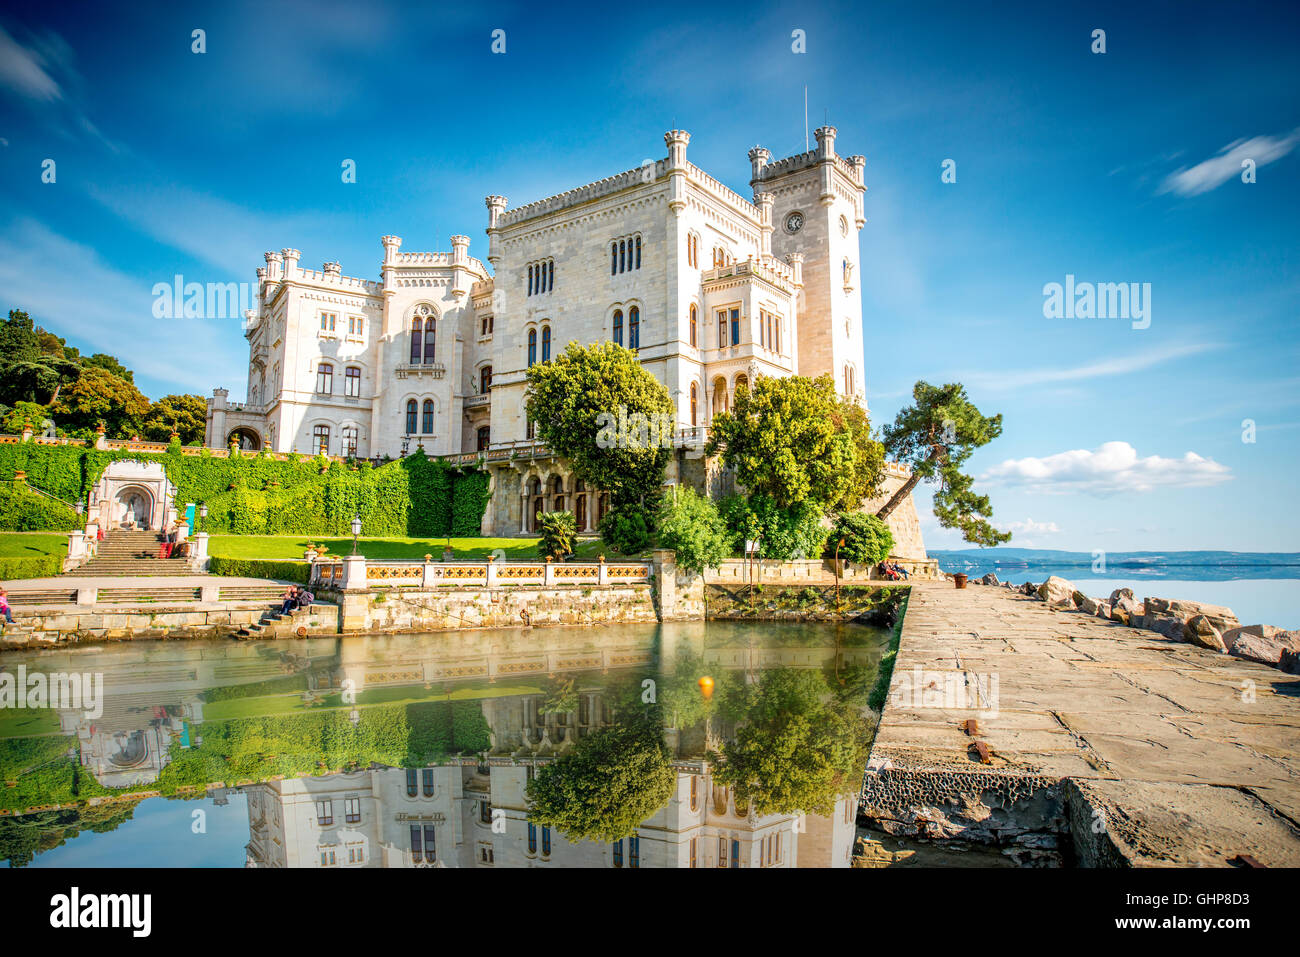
257 494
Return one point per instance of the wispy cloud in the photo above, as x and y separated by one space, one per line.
1110 468
1007 380
1224 165
40 73
1029 526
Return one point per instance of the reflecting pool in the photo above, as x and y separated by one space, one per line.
693 744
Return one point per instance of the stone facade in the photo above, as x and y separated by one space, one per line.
712 288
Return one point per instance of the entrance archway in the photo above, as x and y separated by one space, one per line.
245 438
133 507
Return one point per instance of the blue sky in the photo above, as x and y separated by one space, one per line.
1114 167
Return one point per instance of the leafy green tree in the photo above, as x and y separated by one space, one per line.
867 539
99 396
576 398
781 533
606 786
109 363
935 436
185 414
798 749
629 529
557 531
690 524
561 696
795 440
23 414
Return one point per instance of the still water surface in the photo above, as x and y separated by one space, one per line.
419 750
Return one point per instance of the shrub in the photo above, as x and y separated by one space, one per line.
867 539
626 529
259 568
41 566
690 524
22 510
783 534
557 531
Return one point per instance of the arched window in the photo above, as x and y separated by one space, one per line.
321 439
325 378
532 346
694 321
352 382
742 382
412 411
720 399
484 437
695 399
485 380
618 327
634 327
722 328
580 512
622 255
427 425
546 343
849 384
430 339
350 440
417 327
550 275
613 258
638 252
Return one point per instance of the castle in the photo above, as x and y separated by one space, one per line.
711 289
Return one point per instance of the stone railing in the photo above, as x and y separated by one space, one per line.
356 572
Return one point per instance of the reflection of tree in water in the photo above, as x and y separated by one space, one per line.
22 837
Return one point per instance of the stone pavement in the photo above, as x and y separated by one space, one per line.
1105 744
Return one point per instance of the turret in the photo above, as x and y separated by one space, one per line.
759 157
677 141
291 257
496 206
764 203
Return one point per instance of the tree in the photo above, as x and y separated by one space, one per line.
867 539
557 531
588 403
606 786
795 440
935 436
781 533
109 363
99 396
797 750
185 414
691 526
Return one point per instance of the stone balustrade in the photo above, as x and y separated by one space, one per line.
356 573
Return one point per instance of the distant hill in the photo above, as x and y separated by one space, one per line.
1037 557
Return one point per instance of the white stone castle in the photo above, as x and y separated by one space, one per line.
712 289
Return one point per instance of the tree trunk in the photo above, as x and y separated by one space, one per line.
898 496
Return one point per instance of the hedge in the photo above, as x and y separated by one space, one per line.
41 566
22 510
298 572
254 494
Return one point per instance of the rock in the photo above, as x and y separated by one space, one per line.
1220 617
990 579
1200 631
1290 662
1103 609
1262 643
1165 625
1257 631
1087 605
1119 593
1028 588
1128 606
1056 590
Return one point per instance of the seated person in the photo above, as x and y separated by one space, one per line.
290 597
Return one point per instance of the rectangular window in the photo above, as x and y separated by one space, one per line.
722 328
325 378
485 812
735 853
618 853
430 844
350 440
356 325
735 327
694 845
417 844
327 859
352 811
634 842
546 841
426 777
352 382
532 838
722 852
328 321
324 813
321 439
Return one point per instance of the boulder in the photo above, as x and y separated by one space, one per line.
1290 662
990 579
1028 588
1056 590
1103 609
1128 606
1257 631
1086 604
1262 643
1222 618
1200 630
1119 593
1165 625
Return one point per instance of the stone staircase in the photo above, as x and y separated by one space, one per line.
122 554
276 625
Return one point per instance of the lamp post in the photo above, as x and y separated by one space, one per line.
356 530
203 513
838 546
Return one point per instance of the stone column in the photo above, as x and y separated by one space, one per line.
491 571
523 510
549 579
354 573
199 559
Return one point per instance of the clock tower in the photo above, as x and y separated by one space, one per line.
817 212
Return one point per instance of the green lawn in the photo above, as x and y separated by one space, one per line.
32 544
291 547
400 694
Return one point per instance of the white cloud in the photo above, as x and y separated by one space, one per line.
23 71
1223 166
1029 526
1110 468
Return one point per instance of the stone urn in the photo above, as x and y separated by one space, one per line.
959 580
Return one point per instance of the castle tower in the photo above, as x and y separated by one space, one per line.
816 213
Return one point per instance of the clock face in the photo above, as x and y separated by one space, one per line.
794 222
